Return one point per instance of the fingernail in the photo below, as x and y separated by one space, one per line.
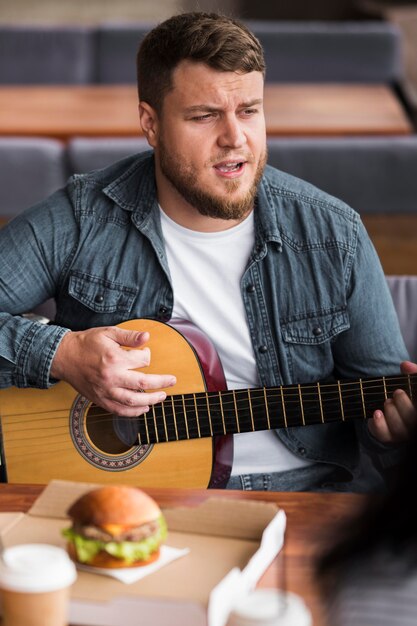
173 381
162 397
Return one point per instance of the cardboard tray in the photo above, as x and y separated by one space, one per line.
231 544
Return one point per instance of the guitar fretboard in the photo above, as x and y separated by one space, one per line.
209 414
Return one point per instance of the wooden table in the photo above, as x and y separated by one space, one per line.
291 110
312 521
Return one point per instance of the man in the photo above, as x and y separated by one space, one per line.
281 276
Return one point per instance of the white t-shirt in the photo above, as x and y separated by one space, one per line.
206 269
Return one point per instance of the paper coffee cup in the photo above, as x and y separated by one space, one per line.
270 607
35 581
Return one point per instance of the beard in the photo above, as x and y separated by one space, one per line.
184 178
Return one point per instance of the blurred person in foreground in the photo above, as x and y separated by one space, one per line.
281 276
369 578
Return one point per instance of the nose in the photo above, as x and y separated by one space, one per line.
231 134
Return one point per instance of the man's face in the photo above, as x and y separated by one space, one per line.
210 144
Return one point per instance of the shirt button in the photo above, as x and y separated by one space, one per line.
263 349
99 298
317 331
163 310
250 288
302 451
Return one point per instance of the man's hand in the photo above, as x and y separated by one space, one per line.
95 364
399 418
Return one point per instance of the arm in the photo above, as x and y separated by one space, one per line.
36 249
373 345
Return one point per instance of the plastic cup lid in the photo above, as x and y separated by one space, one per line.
36 567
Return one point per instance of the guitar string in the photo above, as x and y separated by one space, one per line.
288 399
244 417
290 391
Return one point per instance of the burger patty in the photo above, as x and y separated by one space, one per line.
131 534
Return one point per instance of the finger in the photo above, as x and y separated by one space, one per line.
129 338
122 410
137 358
405 409
379 427
131 399
393 421
407 367
138 381
155 381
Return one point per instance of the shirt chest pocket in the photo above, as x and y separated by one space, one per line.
308 342
101 296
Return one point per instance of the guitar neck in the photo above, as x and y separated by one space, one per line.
208 414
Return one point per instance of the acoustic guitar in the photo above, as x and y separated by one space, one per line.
184 441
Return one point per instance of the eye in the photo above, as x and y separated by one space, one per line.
202 118
249 112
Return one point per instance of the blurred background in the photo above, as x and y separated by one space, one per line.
341 101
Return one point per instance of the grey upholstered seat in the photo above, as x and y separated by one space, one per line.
404 293
363 51
373 175
46 54
300 51
86 154
30 170
117 45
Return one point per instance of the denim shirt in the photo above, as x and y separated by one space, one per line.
315 295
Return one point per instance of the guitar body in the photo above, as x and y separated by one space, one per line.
58 434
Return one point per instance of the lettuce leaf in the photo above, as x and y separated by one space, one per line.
130 551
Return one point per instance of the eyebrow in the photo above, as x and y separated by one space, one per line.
206 107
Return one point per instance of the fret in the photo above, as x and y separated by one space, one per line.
145 417
164 420
342 410
158 433
174 417
196 416
410 390
250 410
185 417
222 412
363 398
321 403
154 421
267 409
284 410
301 405
236 411
385 388
209 416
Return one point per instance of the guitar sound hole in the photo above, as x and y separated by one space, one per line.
110 433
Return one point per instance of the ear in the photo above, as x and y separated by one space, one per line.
149 123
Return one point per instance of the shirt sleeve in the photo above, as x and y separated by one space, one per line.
35 251
373 345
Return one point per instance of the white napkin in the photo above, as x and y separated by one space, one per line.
130 575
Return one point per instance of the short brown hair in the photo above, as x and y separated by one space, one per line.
220 42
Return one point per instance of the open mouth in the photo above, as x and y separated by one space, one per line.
232 167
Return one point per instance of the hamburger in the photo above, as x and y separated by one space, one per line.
115 526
